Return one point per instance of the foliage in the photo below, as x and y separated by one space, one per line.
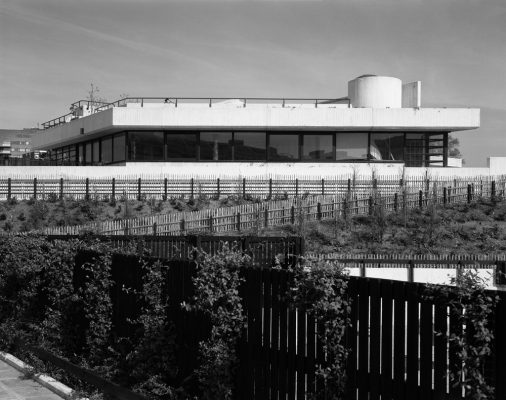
151 361
217 297
470 340
320 288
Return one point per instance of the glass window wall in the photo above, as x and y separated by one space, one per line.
118 148
387 146
146 146
88 153
352 145
216 146
181 146
80 154
249 146
106 150
317 147
283 147
96 152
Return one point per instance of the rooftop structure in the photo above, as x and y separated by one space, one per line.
381 120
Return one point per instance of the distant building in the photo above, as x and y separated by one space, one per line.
16 143
380 121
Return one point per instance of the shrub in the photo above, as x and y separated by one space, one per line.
217 297
320 288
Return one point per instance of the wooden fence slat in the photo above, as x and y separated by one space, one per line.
363 340
386 341
375 335
399 340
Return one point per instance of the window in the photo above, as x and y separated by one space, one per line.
283 147
80 154
317 147
106 150
387 146
414 150
96 152
216 146
146 146
118 148
181 146
88 153
72 155
249 146
351 145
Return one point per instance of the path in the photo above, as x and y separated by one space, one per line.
14 386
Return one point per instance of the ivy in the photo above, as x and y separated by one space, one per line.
472 306
320 289
217 297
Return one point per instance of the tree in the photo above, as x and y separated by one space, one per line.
94 97
453 148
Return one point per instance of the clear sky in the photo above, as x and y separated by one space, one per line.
52 50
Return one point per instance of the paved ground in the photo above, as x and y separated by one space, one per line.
13 386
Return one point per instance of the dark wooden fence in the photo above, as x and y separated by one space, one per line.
263 250
395 351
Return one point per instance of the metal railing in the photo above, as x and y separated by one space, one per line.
177 101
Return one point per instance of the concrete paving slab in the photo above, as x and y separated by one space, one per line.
15 386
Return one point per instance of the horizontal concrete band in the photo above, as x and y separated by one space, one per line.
263 118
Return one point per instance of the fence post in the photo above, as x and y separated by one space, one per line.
9 188
445 196
297 187
210 222
492 190
362 269
500 272
319 211
154 228
87 189
113 191
182 226
469 193
349 185
449 194
292 215
266 217
458 271
34 188
61 188
371 205
323 187
218 188
420 199
165 189
270 188
243 188
411 271
139 188
238 221
396 202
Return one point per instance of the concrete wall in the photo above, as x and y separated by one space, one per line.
497 165
375 92
412 94
262 117
244 169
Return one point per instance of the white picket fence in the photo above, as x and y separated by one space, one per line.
293 210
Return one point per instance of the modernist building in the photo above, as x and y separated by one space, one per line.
381 120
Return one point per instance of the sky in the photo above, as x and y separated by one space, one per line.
51 51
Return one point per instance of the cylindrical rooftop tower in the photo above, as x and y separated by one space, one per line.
371 91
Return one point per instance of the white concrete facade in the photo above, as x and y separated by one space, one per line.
244 170
268 117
